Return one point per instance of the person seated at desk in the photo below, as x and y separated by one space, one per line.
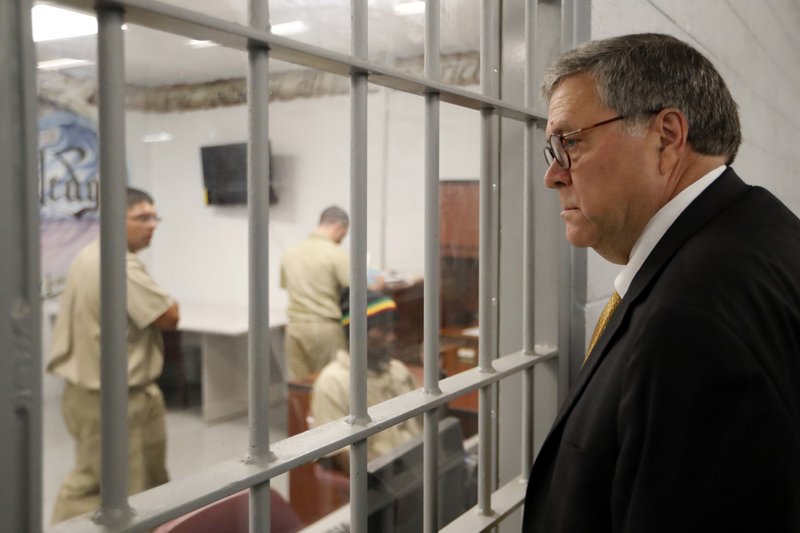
386 378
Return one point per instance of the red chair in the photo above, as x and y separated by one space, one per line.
231 515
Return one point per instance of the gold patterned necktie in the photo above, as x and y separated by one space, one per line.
602 322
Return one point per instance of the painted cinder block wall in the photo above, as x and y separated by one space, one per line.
756 47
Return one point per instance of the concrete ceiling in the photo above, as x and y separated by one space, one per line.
154 58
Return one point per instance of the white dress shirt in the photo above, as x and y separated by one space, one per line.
658 226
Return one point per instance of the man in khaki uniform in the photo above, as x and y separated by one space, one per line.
313 272
386 378
75 356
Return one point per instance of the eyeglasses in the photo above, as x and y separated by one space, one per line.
558 150
145 218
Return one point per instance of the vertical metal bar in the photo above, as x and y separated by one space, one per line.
489 76
487 273
358 267
485 209
432 244
527 422
568 256
529 242
494 249
432 251
258 210
529 188
358 226
575 29
430 462
567 25
258 213
20 325
359 509
114 508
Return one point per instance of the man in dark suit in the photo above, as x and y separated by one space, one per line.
686 414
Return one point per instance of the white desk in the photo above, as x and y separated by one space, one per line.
221 331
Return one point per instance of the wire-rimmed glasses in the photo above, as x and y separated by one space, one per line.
558 150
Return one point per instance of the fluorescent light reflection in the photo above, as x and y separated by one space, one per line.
63 63
289 28
196 43
51 23
157 137
410 8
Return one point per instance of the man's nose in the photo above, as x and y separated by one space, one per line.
556 177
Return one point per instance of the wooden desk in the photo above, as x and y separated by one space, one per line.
221 332
458 351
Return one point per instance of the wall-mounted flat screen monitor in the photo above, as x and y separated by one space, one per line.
225 174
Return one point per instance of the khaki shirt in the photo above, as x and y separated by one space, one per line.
75 352
330 399
313 272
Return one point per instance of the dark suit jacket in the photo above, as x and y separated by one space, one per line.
686 417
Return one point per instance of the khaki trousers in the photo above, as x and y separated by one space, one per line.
147 446
311 345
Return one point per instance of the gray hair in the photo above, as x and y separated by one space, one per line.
136 196
640 74
334 215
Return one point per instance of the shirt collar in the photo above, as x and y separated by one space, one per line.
343 358
657 226
316 235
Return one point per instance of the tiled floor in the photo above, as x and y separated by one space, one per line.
191 445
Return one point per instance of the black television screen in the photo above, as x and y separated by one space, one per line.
225 174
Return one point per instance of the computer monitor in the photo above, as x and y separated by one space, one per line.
395 479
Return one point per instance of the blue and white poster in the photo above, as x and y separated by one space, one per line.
68 192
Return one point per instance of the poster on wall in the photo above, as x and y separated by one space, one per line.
68 192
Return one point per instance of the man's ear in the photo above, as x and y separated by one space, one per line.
673 130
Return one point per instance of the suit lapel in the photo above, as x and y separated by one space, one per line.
717 197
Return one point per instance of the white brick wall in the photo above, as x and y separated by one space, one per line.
756 47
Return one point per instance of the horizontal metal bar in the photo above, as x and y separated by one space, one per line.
179 497
504 501
176 20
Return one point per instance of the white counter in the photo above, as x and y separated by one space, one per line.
222 319
221 331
